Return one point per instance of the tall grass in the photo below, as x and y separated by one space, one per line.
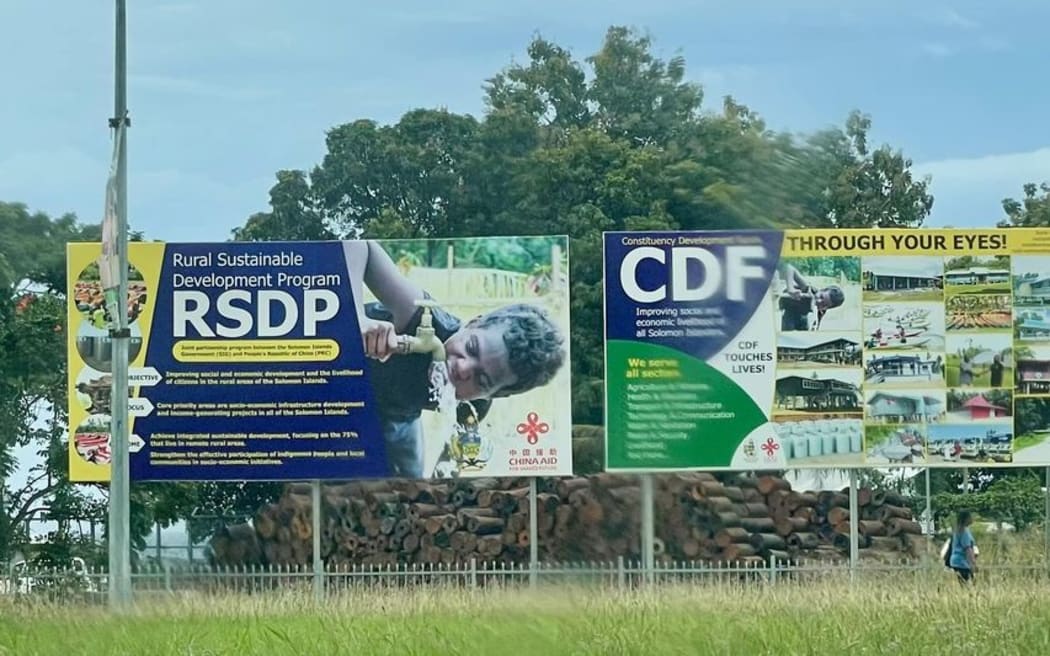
928 613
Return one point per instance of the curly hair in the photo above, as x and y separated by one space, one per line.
535 346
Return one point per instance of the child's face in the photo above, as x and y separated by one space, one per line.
478 362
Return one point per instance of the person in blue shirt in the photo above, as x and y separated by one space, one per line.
963 557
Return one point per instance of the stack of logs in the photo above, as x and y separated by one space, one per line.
698 517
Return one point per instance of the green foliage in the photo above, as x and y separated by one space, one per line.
1016 499
617 141
1031 415
828 267
1032 211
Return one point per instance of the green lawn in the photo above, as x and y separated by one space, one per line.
899 615
886 297
1029 439
995 288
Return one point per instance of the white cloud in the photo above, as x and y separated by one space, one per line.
938 49
969 192
952 18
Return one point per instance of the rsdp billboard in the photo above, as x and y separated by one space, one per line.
838 348
329 360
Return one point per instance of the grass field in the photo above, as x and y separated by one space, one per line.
907 615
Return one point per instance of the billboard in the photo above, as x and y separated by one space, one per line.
328 360
827 348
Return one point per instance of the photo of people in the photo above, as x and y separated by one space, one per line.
824 440
1032 444
1031 281
815 350
817 294
90 302
904 406
980 407
970 444
468 340
904 327
980 361
1032 325
977 275
905 278
895 444
805 394
978 313
1031 370
903 369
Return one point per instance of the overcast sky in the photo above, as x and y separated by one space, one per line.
225 93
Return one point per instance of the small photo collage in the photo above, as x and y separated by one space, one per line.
913 359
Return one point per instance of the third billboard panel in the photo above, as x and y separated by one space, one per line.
839 348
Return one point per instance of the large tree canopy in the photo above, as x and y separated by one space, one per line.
618 141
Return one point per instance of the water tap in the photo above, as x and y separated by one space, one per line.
425 340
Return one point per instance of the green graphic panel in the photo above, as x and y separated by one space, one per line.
667 410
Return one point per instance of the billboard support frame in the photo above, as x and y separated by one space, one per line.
648 546
315 518
119 530
534 547
854 526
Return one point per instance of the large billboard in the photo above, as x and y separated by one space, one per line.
328 360
838 348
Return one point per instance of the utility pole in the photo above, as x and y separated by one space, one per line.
115 243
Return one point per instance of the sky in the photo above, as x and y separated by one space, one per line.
223 94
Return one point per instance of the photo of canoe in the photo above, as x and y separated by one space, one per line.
904 326
970 312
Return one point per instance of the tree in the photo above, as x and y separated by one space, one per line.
616 141
1032 211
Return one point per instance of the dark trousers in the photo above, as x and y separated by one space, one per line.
965 574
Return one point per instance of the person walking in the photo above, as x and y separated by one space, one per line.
963 558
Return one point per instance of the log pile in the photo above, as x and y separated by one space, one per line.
743 519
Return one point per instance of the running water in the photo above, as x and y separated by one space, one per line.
443 394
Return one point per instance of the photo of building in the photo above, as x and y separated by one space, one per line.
983 406
902 278
978 275
1031 281
1032 370
802 349
1032 325
904 407
835 391
904 369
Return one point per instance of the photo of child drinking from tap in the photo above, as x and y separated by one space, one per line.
499 353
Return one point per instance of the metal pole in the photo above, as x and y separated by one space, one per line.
966 480
1046 518
316 533
854 525
648 556
534 547
119 486
929 512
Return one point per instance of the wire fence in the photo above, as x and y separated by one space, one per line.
80 585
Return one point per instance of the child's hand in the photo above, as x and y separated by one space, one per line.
378 338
